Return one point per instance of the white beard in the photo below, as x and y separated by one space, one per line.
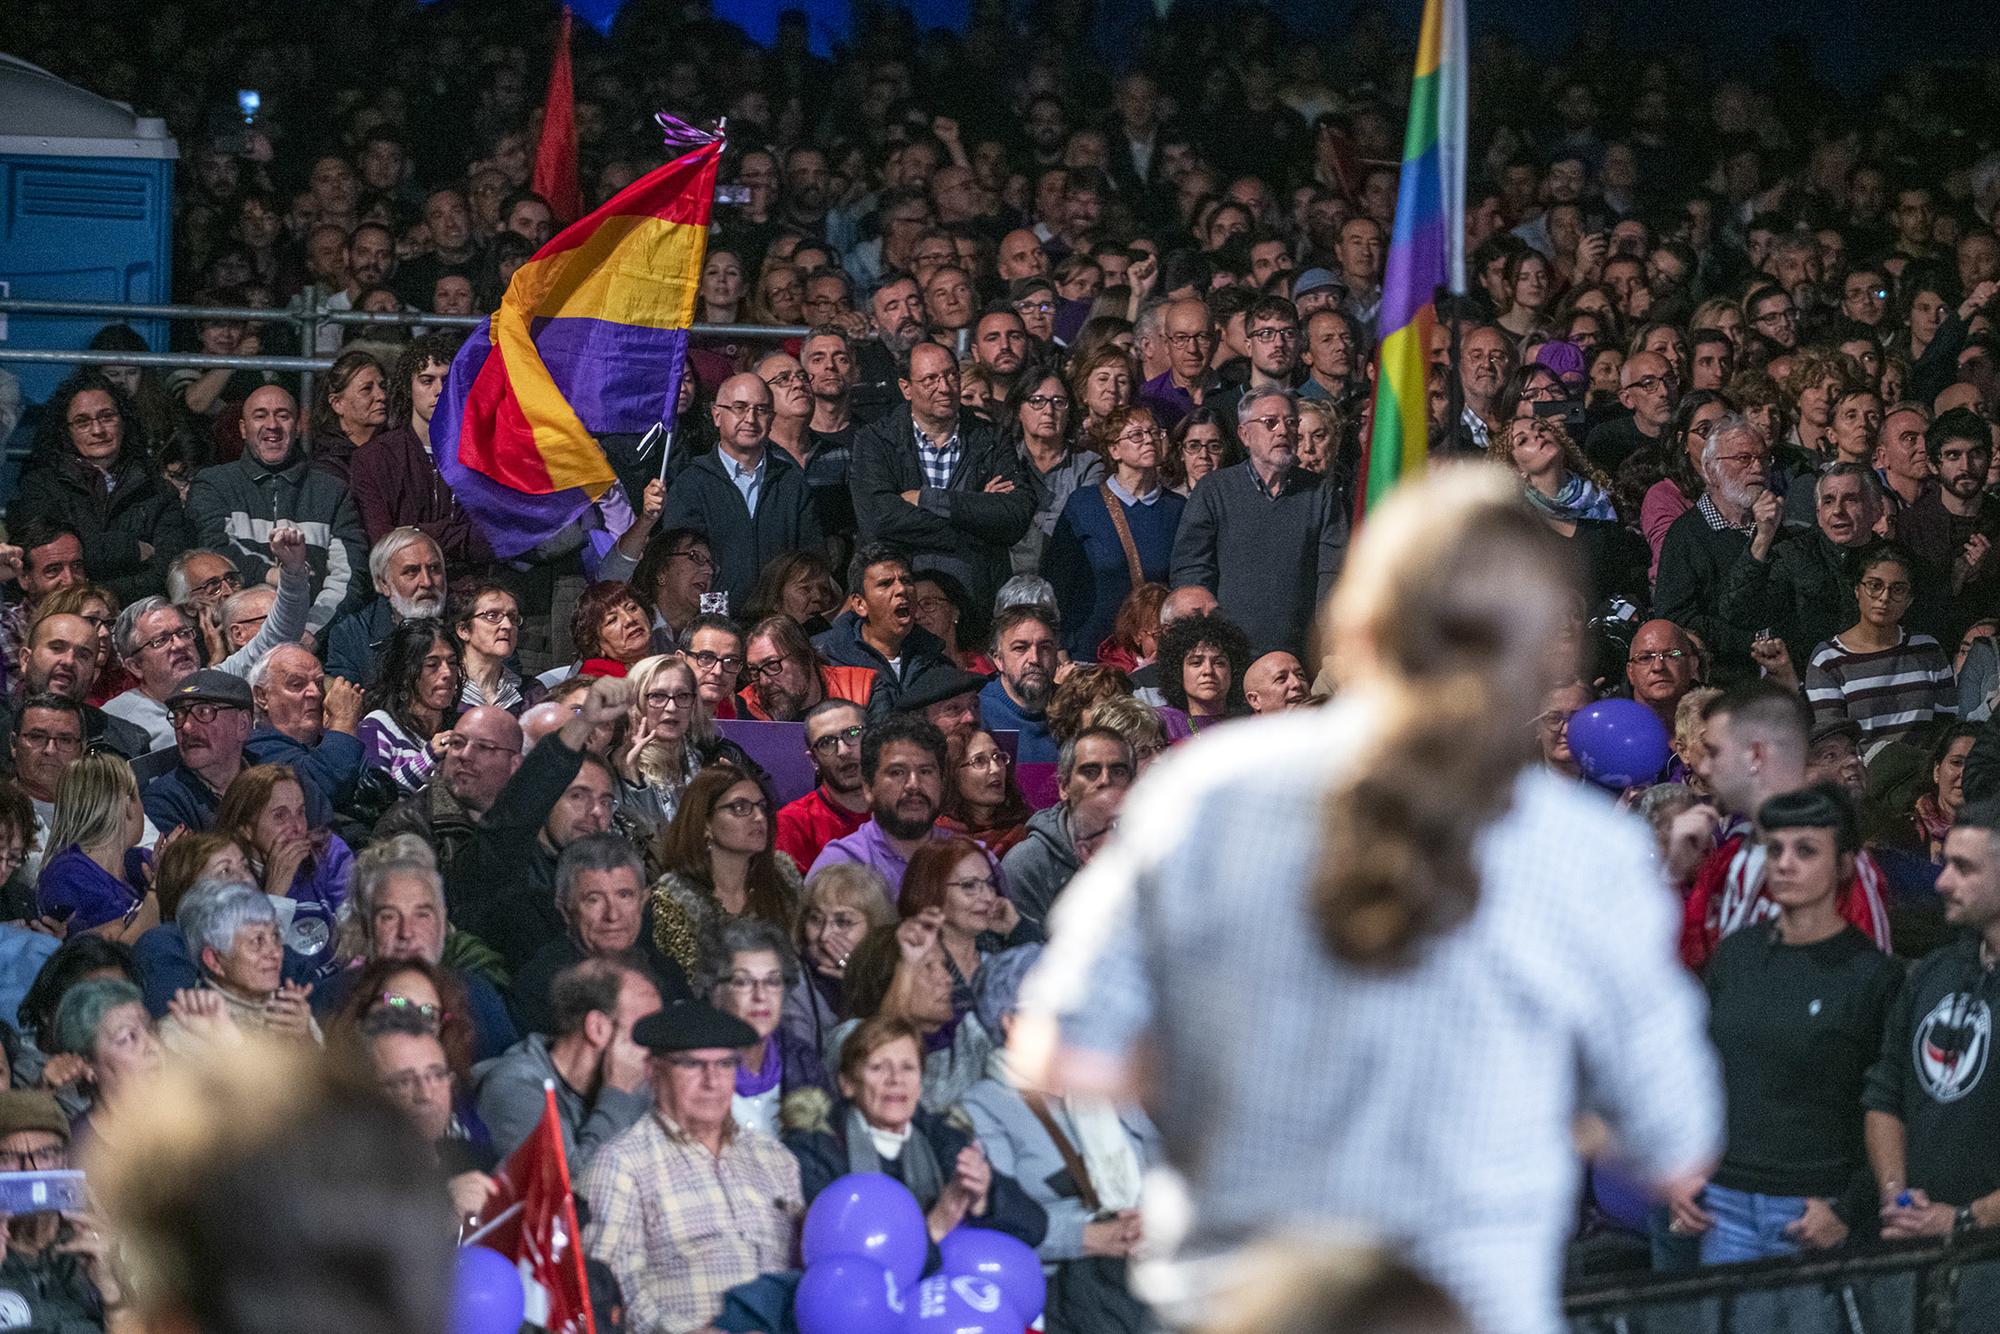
412 608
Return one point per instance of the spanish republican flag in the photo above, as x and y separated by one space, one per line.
1426 252
591 338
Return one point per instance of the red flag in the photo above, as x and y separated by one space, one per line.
531 1219
555 176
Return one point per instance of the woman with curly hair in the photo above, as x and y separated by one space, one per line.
1574 497
414 698
610 629
719 863
92 471
1202 661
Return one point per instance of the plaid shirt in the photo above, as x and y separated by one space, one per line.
13 648
680 1226
939 458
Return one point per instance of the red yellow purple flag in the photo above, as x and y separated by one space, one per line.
1426 252
591 338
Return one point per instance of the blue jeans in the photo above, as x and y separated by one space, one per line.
1747 1226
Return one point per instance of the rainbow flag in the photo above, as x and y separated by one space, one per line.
1426 252
590 338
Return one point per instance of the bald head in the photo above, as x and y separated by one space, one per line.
742 415
270 424
542 720
1646 386
1275 682
483 753
1190 601
62 656
1660 666
1021 255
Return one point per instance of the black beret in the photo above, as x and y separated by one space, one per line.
937 685
692 1026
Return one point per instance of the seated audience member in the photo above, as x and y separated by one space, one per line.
264 810
982 801
408 1059
479 754
1203 660
1083 686
960 881
713 646
1017 699
838 803
233 934
600 890
899 972
947 699
396 911
799 586
1660 666
787 676
1098 760
903 762
103 1022
1276 682
56 1256
881 1123
1081 1159
96 876
610 631
211 716
879 630
1796 1012
60 660
669 737
747 971
307 720
940 607
1929 1112
599 1072
409 579
717 862
165 966
486 622
657 1192
502 888
1876 672
416 986
413 701
842 904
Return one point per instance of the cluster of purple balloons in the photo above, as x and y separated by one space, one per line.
865 1245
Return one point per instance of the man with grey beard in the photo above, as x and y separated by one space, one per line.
1703 544
897 310
1017 698
409 576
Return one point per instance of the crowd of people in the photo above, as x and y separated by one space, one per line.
1056 481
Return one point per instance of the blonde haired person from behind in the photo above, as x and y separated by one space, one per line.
1305 1285
1387 960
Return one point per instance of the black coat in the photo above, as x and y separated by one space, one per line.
140 508
963 530
704 497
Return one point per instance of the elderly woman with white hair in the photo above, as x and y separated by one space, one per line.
1080 1158
747 969
395 910
233 934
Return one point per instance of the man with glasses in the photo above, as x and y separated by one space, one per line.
671 576
714 645
47 737
1660 668
838 804
1187 329
753 501
1271 328
688 1204
55 1270
823 458
1773 316
1096 760
1864 297
1703 544
408 1061
481 752
158 643
787 677
1265 536
1795 585
1648 389
211 715
938 484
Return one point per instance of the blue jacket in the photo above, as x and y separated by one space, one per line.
997 713
333 764
842 646
181 796
354 643
1086 561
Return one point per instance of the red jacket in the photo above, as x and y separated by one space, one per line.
849 683
1728 894
807 825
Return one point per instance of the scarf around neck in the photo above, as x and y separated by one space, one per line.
1579 498
916 1167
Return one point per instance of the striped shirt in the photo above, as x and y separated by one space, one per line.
1430 1106
1889 693
681 1226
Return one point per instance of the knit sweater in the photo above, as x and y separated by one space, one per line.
1889 692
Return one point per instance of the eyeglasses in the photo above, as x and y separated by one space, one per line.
694 556
1658 657
1876 588
495 617
974 885
1738 460
1188 340
107 420
1879 293
204 712
789 377
1213 447
659 699
454 743
752 410
1785 316
835 921
430 1014
937 379
768 670
744 807
48 740
45 1159
832 742
409 1082
184 635
1144 436
1646 384
1034 307
1043 402
1274 423
1274 334
222 583
744 985
731 663
1116 772
1554 720
992 759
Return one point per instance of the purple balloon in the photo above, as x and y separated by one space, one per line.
486 1293
873 1216
848 1294
1623 1200
1618 743
959 1304
1007 1261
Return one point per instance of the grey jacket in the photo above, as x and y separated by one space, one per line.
508 1090
1036 869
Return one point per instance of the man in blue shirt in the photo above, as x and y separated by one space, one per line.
1024 649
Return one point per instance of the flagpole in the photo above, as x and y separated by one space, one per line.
487 1228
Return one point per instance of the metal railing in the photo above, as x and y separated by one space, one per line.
304 315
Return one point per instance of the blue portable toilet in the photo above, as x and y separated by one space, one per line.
86 213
